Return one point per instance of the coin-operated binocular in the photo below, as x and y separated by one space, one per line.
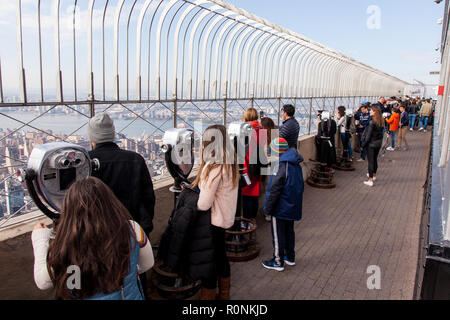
51 169
322 174
178 146
240 135
241 241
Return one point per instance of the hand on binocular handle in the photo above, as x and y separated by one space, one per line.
40 226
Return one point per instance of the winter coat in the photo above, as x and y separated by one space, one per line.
290 130
426 110
284 195
413 109
373 136
394 122
187 244
404 119
127 175
254 170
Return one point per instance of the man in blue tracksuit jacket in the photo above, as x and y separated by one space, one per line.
363 116
284 198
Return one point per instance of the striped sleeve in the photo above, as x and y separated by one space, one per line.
141 237
146 258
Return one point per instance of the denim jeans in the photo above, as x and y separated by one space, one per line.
424 122
412 120
349 146
393 137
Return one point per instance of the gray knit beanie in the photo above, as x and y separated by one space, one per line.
101 129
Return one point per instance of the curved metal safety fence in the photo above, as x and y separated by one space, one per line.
154 65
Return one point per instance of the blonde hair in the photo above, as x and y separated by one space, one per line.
250 115
223 157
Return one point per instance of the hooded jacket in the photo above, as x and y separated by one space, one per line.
394 122
284 195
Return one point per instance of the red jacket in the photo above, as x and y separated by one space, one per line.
254 189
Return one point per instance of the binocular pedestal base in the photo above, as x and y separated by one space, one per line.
321 177
344 165
171 286
241 241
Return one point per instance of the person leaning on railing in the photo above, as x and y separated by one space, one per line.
125 172
97 251
290 129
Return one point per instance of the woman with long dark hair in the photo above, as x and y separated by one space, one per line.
218 181
268 125
95 236
372 141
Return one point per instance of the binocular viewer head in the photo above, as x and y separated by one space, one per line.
51 169
178 146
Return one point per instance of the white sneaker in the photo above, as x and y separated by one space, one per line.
421 129
374 178
390 149
411 130
369 183
268 218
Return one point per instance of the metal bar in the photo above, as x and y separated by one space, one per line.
1 82
40 51
23 91
74 52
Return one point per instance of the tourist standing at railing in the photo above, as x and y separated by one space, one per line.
252 166
362 117
372 142
425 113
394 122
284 198
345 135
125 172
413 111
290 129
403 127
268 125
97 251
218 181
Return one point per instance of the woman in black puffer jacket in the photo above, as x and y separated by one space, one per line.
372 140
187 244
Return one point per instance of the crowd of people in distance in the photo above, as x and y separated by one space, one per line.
395 117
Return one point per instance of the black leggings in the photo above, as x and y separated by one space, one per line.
220 259
372 157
